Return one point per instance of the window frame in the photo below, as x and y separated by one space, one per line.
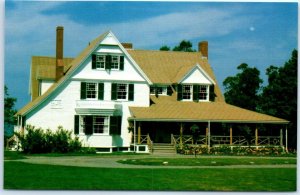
159 90
185 93
83 126
200 93
95 91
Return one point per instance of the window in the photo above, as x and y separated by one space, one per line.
94 124
107 61
115 62
91 91
160 90
100 124
186 92
100 61
193 92
120 91
203 92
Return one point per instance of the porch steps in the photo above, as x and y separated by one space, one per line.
163 149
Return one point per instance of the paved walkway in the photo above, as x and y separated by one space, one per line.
111 161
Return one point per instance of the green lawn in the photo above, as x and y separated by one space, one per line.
210 161
18 175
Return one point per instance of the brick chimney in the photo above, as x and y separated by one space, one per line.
203 48
127 45
59 52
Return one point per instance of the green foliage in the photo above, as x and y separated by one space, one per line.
9 112
164 48
185 46
37 141
279 97
242 90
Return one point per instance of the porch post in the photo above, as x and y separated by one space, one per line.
230 132
139 133
256 137
208 137
181 133
281 138
134 135
286 139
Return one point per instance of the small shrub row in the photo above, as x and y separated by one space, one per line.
227 150
36 140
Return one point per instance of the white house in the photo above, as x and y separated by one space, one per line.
111 95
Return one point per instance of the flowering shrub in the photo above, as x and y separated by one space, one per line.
36 140
228 150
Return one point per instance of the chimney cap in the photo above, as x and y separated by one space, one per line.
203 48
127 45
59 28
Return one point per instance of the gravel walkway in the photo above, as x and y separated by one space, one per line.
111 162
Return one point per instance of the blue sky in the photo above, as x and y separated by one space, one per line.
259 34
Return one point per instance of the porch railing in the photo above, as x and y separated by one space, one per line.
225 140
145 139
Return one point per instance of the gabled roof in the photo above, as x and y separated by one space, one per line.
69 69
197 67
167 108
169 67
43 67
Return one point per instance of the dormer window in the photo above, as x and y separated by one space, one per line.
193 92
100 61
160 90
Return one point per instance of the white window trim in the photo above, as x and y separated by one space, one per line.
127 91
164 90
99 68
81 125
207 93
118 56
96 89
191 92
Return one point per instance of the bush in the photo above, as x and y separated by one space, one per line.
40 141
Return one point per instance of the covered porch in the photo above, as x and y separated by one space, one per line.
209 134
217 124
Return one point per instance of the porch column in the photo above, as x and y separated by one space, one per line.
208 137
230 134
134 135
180 138
281 138
139 133
256 136
286 139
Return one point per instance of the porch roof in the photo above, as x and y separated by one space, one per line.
165 108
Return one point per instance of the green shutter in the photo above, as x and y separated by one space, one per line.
196 92
93 61
169 90
212 94
113 91
83 91
76 124
115 125
100 91
179 92
131 92
88 121
121 62
108 62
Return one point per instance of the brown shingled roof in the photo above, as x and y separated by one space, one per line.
169 67
43 67
168 109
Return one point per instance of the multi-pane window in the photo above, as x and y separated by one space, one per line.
97 124
100 61
107 61
122 91
115 62
187 92
91 90
203 92
100 124
158 90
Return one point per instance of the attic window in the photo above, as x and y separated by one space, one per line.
160 90
107 61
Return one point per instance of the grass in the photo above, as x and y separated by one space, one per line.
209 161
19 175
